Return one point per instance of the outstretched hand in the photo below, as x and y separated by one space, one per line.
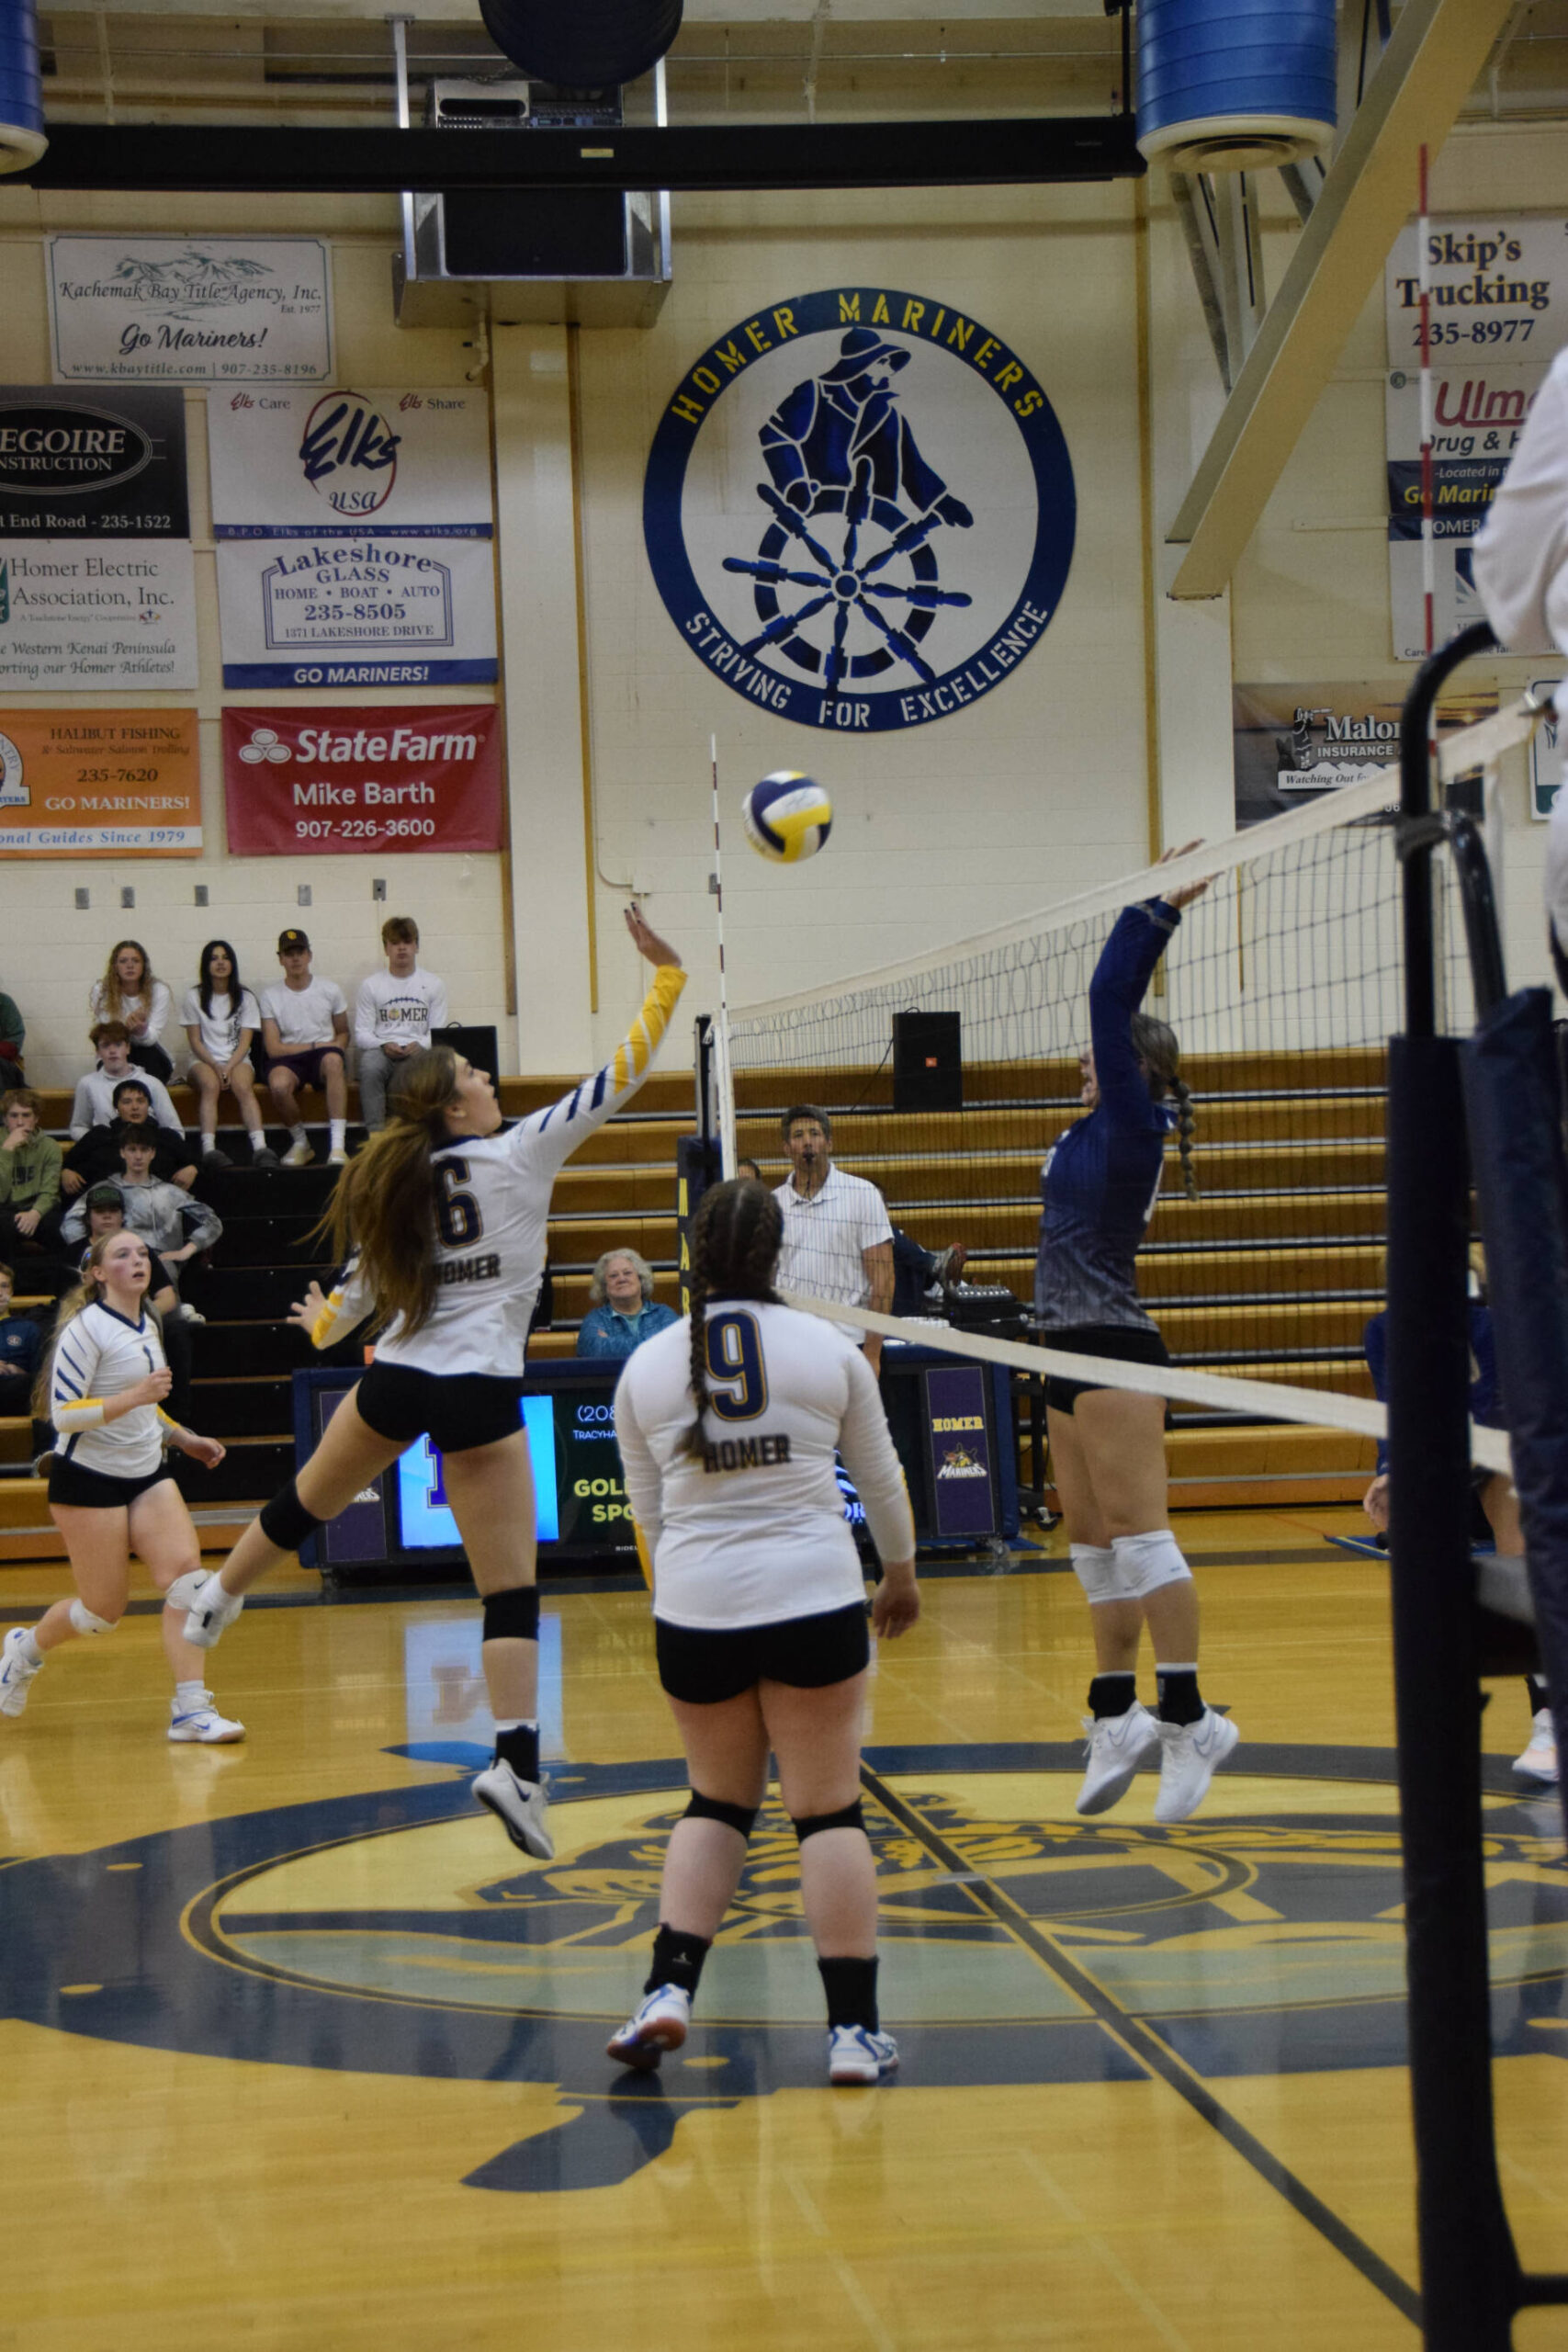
647 940
1189 890
306 1312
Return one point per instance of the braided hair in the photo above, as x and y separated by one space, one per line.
735 1252
1155 1044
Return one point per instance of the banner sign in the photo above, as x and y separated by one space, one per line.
91 615
1295 740
859 509
71 465
99 784
192 311
960 1452
353 537
1499 315
327 781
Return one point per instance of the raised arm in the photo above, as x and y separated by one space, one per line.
549 1137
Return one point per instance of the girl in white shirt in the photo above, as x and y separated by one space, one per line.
220 1017
110 1489
728 1424
128 992
449 1218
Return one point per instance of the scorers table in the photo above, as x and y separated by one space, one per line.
952 1421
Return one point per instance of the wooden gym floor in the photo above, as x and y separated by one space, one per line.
296 2052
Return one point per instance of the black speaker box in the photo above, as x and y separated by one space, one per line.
928 1061
535 232
476 1042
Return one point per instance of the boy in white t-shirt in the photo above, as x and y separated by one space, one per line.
393 1016
305 1034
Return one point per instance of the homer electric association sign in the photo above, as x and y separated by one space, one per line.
336 780
859 509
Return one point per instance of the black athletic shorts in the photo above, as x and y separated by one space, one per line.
83 1489
457 1410
702 1665
1125 1342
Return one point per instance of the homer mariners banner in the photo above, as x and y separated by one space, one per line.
353 537
859 509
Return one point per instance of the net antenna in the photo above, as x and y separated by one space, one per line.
723 1084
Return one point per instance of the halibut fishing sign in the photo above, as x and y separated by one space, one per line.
859 509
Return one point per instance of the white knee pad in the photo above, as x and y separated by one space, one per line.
1095 1566
85 1622
1147 1562
183 1592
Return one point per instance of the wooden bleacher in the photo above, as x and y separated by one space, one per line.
1271 1272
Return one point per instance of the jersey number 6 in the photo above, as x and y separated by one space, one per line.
456 1213
735 1363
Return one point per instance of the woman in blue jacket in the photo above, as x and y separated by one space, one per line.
624 1312
1099 1186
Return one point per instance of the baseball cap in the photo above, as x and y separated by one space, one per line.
289 940
104 1196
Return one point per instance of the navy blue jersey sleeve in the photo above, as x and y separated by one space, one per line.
1126 965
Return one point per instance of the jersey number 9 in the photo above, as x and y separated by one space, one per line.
735 1365
456 1213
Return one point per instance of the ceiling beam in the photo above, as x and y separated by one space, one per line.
1422 79
224 159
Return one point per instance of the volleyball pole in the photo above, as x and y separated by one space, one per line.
721 1026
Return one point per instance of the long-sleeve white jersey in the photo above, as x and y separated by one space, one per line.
752 1530
99 1355
492 1205
1520 554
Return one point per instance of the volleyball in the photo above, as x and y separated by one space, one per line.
787 817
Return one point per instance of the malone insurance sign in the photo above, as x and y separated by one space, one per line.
331 781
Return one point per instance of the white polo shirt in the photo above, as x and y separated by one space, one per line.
824 1237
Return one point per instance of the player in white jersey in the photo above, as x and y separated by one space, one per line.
728 1424
449 1216
110 1489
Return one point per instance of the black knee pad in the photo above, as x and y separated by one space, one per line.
849 1816
511 1616
286 1522
738 1817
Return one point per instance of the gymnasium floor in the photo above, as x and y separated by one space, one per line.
297 2052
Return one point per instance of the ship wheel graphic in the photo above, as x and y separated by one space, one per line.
848 589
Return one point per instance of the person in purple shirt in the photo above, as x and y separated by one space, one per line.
1099 1186
624 1312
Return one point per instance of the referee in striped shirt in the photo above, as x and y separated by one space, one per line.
837 1243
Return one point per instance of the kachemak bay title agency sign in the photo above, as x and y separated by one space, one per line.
326 781
96 587
353 537
859 509
193 311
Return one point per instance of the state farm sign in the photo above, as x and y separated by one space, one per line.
340 781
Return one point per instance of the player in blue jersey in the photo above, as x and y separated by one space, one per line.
1099 1186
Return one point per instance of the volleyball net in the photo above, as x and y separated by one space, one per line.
948 1080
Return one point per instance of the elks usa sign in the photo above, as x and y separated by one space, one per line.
859 509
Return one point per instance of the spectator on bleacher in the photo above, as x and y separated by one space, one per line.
128 992
93 1102
393 1016
13 1037
837 1243
748 1172
220 1017
305 1034
168 1220
916 1272
624 1312
20 1341
95 1154
30 1206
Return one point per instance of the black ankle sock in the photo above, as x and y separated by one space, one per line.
1178 1699
677 1960
851 1987
520 1748
1112 1694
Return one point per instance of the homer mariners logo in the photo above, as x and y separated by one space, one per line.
859 509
